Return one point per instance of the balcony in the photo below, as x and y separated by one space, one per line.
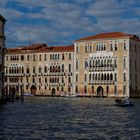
101 82
27 74
95 69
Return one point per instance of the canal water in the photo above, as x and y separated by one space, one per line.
56 118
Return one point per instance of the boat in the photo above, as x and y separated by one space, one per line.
69 95
27 94
123 102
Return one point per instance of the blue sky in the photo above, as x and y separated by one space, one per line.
60 22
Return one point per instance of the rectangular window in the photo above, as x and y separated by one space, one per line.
124 46
77 49
34 58
69 56
115 77
124 76
33 69
28 58
22 57
76 77
124 63
40 57
45 57
77 64
69 67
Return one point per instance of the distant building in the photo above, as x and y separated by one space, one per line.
2 52
40 70
108 64
105 64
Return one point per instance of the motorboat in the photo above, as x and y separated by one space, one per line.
69 95
27 94
124 102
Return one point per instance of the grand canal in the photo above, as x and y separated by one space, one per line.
53 118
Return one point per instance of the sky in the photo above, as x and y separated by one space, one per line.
60 22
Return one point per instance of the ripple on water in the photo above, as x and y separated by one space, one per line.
64 118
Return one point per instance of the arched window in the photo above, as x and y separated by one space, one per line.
86 50
93 77
115 89
90 77
96 76
102 63
124 76
108 76
55 69
111 47
45 57
51 57
45 79
124 63
105 63
115 46
69 56
90 48
62 67
115 76
104 76
111 76
124 46
104 47
85 77
51 69
98 63
63 56
115 63
45 69
99 77
85 89
69 89
108 62
76 77
76 89
40 57
107 89
93 63
69 67
55 56
58 68
69 80
77 65
90 63
62 79
57 79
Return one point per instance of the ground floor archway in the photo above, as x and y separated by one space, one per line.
33 90
100 91
53 91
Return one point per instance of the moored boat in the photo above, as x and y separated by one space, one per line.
123 102
27 94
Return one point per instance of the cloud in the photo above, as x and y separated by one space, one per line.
62 21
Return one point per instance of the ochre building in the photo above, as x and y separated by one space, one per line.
105 65
2 52
40 70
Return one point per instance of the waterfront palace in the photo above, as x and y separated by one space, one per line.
2 50
106 64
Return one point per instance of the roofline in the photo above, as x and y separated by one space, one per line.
101 38
2 18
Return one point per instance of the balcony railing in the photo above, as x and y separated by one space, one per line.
102 82
101 69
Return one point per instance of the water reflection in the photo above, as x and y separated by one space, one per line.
69 118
